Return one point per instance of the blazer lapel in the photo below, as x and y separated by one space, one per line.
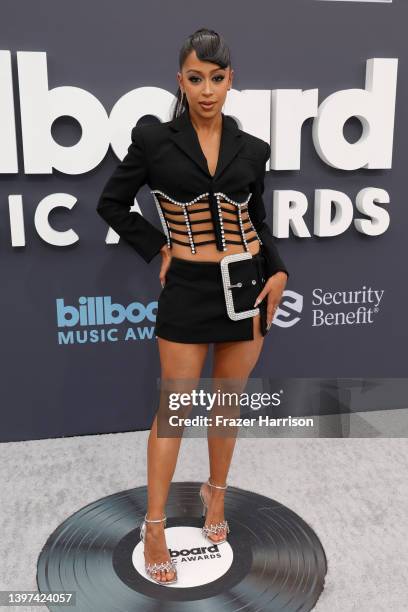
185 137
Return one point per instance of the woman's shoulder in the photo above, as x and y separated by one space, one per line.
156 129
254 147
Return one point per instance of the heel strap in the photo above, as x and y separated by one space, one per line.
216 486
154 520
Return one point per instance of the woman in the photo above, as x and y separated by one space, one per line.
207 179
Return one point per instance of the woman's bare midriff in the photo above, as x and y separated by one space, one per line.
209 252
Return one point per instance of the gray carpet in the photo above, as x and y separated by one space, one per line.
353 492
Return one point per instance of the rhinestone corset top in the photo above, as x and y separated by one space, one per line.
208 218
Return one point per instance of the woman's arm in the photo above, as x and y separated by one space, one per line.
118 195
256 209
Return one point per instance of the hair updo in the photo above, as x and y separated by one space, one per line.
209 47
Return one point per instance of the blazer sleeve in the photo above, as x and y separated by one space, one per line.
117 198
274 262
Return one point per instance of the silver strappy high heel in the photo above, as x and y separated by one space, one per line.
212 528
154 568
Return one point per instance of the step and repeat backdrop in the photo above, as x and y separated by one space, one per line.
325 82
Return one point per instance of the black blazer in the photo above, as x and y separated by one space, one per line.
168 156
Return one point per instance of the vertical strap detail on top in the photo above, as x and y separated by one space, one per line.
216 214
241 228
224 248
190 234
163 220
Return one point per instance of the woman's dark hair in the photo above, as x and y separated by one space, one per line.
209 47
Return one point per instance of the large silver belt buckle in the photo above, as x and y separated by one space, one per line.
226 281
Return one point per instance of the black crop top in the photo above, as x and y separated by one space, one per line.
194 223
194 206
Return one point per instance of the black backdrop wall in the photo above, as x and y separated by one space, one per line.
97 59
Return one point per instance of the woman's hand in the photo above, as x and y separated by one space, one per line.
274 288
166 259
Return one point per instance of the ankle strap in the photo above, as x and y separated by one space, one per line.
154 520
216 486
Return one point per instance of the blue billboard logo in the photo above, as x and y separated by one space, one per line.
94 320
102 311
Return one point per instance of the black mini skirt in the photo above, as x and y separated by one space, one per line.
191 306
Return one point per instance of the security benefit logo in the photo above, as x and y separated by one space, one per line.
346 307
98 319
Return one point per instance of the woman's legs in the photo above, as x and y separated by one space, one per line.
178 361
234 360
